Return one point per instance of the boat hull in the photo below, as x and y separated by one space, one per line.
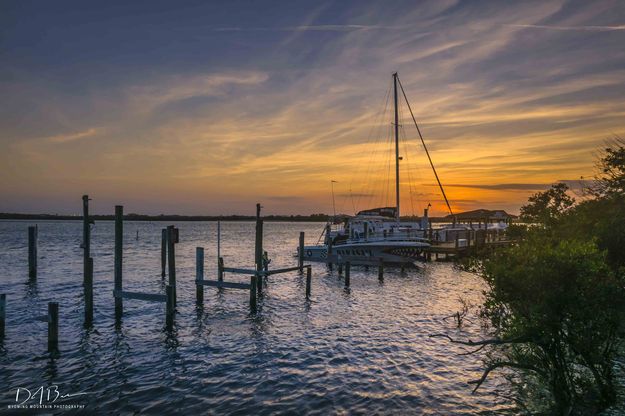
402 253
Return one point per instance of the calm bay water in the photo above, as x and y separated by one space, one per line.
365 350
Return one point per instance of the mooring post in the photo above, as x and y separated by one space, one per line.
163 252
170 306
218 239
3 313
89 292
53 326
199 275
32 252
171 257
301 252
119 241
220 269
348 267
258 254
253 293
86 237
381 270
330 255
308 281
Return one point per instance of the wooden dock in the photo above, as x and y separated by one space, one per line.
466 242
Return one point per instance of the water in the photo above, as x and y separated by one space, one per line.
346 351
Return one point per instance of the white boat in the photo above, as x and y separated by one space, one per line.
378 234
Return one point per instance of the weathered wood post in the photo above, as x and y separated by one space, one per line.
3 314
218 239
381 270
347 273
220 269
199 275
163 252
308 281
171 257
86 237
456 241
89 292
258 253
329 250
301 252
53 326
340 267
253 293
170 306
119 240
32 252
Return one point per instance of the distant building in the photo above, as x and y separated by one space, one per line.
478 216
482 216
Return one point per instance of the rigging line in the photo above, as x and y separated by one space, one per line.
381 182
425 147
404 141
375 129
387 193
373 167
375 133
352 199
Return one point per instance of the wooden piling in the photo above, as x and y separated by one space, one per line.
86 237
253 293
381 270
301 252
171 257
308 281
340 267
220 269
330 255
163 252
32 252
170 306
258 253
119 240
53 326
3 314
347 273
199 275
89 292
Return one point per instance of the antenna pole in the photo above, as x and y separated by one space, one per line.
440 185
333 202
395 78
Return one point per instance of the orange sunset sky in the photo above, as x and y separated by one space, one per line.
209 108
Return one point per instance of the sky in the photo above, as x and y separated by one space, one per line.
205 108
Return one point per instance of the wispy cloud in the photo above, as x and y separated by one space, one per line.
308 28
64 138
570 28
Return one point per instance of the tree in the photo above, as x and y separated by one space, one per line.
609 182
547 207
556 311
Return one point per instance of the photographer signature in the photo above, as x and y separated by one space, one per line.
43 394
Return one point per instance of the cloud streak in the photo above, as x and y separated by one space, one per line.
571 28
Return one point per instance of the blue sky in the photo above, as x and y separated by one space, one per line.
209 107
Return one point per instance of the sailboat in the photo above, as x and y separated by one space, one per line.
377 235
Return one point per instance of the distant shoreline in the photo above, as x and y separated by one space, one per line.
169 218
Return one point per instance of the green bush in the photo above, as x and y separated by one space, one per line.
556 308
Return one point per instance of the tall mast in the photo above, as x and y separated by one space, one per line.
396 145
